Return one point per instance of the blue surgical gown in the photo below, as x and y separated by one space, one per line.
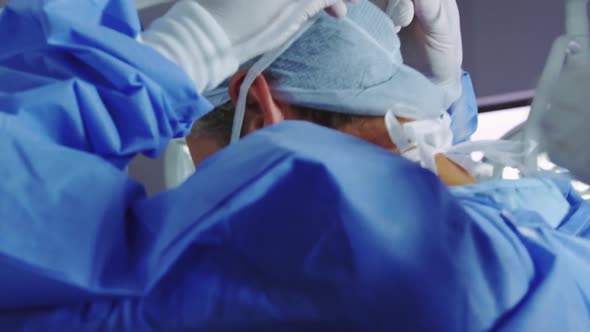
551 222
282 231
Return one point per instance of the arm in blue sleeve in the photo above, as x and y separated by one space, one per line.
75 76
79 97
464 112
65 221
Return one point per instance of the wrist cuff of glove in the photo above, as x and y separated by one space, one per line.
453 89
190 37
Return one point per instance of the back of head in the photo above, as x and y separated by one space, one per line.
354 66
351 65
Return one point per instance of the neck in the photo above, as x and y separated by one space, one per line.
372 129
452 174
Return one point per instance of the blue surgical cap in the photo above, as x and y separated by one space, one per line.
351 65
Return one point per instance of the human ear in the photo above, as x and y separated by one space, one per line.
261 108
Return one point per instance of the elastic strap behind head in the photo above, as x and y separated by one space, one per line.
257 69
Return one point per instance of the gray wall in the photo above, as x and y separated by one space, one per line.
507 41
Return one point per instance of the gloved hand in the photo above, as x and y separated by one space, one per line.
432 44
209 39
400 11
560 123
142 4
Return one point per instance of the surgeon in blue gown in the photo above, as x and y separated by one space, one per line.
287 235
535 229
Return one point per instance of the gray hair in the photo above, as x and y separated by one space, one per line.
217 124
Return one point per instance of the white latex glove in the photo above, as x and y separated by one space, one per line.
209 39
432 44
142 4
400 11
565 118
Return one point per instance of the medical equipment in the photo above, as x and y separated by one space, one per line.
543 166
178 165
508 124
560 112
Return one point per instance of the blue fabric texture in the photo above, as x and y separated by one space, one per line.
76 77
304 235
296 227
551 223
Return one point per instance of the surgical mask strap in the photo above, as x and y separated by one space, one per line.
433 137
430 137
260 66
420 141
396 133
502 152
